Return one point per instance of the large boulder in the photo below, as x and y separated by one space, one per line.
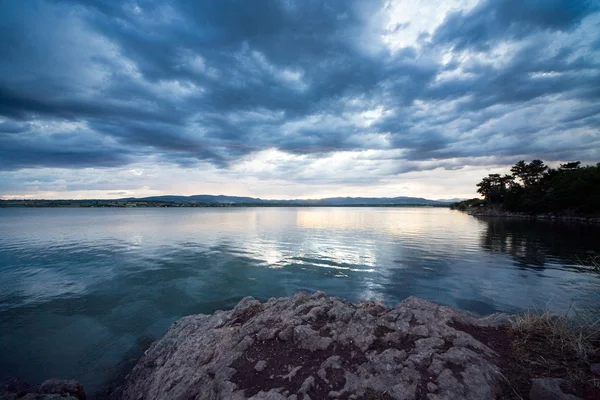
319 347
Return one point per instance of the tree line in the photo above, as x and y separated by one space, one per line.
535 188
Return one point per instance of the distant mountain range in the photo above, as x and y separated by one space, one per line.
332 201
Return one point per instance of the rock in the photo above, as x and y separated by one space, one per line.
307 385
16 387
595 369
310 339
260 365
318 347
432 387
63 387
292 373
549 389
52 389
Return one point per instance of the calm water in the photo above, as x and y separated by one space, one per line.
83 291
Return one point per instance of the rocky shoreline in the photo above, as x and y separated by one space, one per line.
320 347
499 212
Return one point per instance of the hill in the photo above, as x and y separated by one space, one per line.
332 201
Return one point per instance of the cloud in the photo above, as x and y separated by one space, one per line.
492 21
340 92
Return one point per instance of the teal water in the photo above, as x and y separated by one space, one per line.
83 291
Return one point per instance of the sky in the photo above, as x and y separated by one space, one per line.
291 98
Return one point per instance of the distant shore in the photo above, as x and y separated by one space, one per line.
156 204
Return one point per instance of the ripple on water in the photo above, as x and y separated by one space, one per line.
80 289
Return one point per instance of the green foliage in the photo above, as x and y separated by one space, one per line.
535 188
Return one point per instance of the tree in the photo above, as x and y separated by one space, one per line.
535 188
529 174
494 187
570 166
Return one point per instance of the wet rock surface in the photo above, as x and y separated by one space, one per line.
320 347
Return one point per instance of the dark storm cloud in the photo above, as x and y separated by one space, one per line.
218 80
53 151
493 20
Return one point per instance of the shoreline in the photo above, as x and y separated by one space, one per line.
316 346
497 212
544 217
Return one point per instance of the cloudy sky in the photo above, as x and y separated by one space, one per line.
291 98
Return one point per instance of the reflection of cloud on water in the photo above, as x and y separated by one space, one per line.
134 271
329 218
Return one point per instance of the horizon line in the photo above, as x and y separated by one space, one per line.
3 198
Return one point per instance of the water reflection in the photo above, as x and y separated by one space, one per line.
541 244
81 290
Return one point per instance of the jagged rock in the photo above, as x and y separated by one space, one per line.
318 347
549 389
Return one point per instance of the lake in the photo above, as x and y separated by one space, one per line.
84 291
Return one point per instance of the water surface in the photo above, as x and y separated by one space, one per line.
83 291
